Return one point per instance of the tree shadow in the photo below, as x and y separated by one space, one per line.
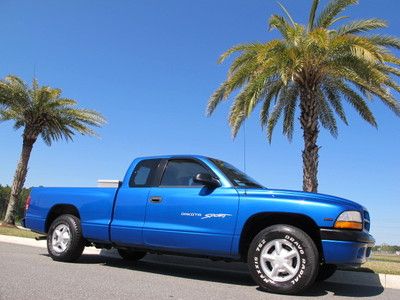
222 272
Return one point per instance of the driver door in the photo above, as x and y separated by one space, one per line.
183 215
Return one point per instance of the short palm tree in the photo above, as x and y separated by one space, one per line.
39 111
313 67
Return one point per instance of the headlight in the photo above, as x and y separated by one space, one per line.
349 220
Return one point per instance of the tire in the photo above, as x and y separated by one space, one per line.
326 271
303 260
131 255
64 239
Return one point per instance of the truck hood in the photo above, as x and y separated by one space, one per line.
304 196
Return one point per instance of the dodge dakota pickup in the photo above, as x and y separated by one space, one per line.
200 206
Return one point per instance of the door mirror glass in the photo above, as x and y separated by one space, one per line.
207 180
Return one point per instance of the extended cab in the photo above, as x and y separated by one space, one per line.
195 205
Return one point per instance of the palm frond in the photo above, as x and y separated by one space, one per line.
385 40
362 26
272 93
291 97
237 48
313 12
357 102
246 101
287 14
325 114
275 115
335 20
334 99
333 8
279 23
215 99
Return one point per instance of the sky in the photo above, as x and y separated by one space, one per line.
150 66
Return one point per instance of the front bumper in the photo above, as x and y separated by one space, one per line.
346 247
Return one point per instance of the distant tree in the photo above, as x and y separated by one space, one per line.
5 192
313 67
40 111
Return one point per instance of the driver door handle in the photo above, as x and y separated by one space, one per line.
155 199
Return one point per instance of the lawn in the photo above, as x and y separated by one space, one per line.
386 264
8 230
388 258
383 267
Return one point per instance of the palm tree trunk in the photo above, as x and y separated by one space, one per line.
19 180
309 124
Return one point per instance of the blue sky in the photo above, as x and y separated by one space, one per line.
150 66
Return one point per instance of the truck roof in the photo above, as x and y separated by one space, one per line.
174 156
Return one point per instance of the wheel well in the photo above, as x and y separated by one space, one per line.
260 221
58 210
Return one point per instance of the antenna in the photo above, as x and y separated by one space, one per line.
244 145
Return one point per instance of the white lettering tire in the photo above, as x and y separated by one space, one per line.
283 259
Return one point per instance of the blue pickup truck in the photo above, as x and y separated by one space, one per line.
200 206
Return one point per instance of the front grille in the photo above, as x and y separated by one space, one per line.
367 221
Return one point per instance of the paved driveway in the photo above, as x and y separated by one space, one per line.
28 273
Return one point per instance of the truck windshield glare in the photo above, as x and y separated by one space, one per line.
237 177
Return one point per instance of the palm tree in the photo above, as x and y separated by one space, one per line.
39 111
314 67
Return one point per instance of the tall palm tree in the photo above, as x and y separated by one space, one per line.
40 111
313 67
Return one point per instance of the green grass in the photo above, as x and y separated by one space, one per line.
382 267
384 264
14 231
388 258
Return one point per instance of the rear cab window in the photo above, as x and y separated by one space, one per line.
144 172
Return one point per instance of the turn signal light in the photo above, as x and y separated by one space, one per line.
348 225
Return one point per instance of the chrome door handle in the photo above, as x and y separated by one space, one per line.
155 199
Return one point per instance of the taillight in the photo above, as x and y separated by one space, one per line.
27 202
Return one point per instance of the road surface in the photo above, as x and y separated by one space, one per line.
28 273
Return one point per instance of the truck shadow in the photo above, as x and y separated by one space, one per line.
228 273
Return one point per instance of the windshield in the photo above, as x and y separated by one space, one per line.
237 177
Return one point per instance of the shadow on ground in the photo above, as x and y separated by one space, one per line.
229 273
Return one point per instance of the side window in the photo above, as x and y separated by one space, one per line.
181 173
143 173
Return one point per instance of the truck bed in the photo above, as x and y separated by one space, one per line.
94 205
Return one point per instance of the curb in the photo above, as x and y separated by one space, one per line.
39 244
342 277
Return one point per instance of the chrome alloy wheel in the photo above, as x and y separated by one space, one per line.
61 238
280 260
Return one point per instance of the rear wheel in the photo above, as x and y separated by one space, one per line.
283 259
64 239
326 271
131 255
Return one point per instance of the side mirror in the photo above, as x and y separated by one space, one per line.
207 180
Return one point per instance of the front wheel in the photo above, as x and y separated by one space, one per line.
64 239
283 259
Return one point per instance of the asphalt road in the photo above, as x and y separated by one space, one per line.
28 273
